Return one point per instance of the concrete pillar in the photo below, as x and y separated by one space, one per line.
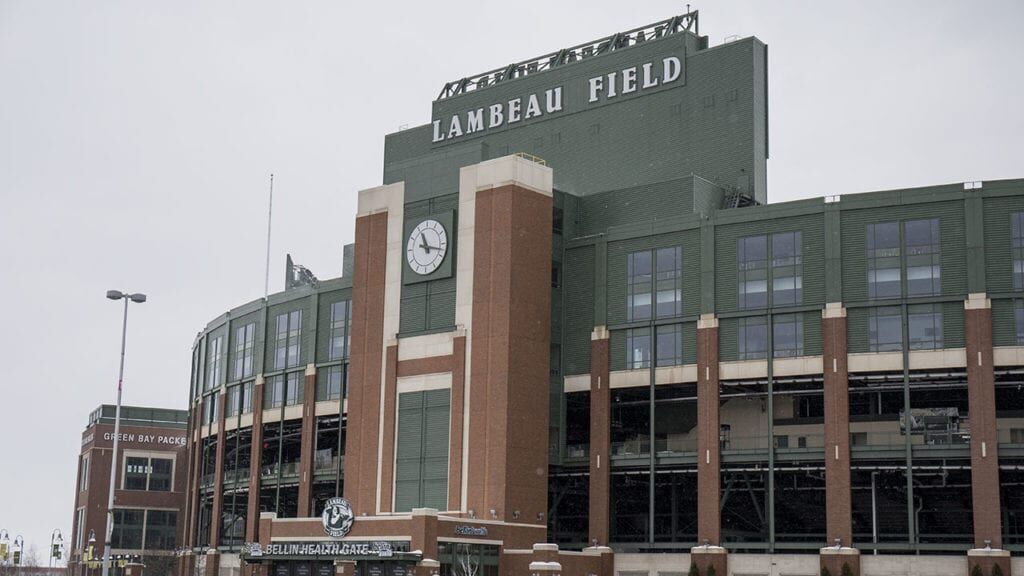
600 437
839 524
981 397
308 438
834 558
709 520
705 557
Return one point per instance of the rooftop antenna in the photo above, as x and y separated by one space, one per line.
270 213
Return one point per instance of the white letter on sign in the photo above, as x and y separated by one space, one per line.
497 117
438 136
596 83
672 68
474 120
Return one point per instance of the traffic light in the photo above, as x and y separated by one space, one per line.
88 553
3 551
56 551
17 557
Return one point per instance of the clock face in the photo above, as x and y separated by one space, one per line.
427 247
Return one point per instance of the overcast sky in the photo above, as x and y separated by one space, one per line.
136 140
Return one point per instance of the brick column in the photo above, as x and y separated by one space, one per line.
837 426
218 474
510 339
366 361
600 437
709 520
195 464
252 515
981 397
308 442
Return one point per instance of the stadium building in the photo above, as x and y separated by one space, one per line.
573 337
149 494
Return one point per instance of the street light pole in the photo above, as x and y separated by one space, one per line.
138 298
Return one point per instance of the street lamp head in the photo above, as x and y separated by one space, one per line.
138 298
114 294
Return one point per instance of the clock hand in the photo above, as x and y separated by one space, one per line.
423 243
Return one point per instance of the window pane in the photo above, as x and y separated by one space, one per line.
638 348
787 269
752 273
885 329
160 475
753 338
670 345
788 335
638 286
136 470
1017 222
923 260
924 324
669 264
1019 313
883 254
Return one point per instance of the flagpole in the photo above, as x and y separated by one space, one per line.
270 213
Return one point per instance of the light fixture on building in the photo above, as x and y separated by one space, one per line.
494 513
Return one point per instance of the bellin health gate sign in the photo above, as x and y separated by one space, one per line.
599 89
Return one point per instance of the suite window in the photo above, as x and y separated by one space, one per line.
924 325
885 329
145 473
341 319
285 389
669 347
128 524
921 238
883 254
214 355
210 408
638 286
1017 225
788 335
161 526
246 397
638 348
668 266
752 335
331 383
787 268
752 275
244 340
287 346
232 404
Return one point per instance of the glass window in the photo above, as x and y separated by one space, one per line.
210 406
788 335
287 345
752 277
293 392
161 526
670 345
275 391
638 348
214 355
341 315
921 238
332 383
136 472
83 478
1017 224
231 403
787 269
127 533
752 336
246 398
924 325
885 329
143 473
244 339
638 286
668 268
883 254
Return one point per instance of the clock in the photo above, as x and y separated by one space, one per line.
427 247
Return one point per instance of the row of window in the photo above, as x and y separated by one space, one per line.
148 473
885 334
903 260
281 390
287 343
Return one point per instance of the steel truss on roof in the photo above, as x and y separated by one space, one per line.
683 23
